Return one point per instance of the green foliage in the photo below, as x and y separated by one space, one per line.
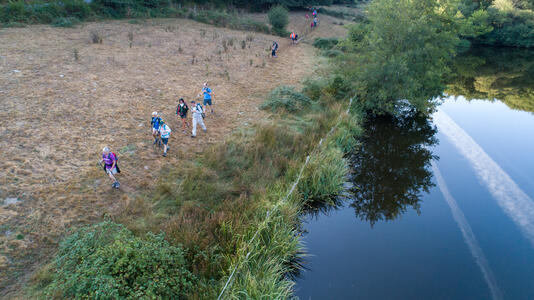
338 88
475 25
45 12
314 88
106 261
511 28
285 98
402 53
224 19
278 18
343 14
498 22
65 22
325 43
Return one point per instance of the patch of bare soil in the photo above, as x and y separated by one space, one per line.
63 98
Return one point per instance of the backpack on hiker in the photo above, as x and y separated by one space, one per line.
201 110
116 164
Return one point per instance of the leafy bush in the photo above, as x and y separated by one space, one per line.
279 18
314 88
106 261
285 98
325 43
339 88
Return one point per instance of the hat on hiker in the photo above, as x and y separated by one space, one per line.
155 113
105 150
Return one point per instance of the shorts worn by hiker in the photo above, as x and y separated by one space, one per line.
207 102
165 141
111 171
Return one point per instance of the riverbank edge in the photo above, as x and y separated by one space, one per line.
271 251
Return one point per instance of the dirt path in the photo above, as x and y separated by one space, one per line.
64 98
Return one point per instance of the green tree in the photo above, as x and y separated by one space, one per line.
279 18
401 54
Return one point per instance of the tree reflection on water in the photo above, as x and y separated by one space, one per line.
495 73
392 168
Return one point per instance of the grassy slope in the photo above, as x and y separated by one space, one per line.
128 83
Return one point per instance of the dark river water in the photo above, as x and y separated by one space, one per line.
441 208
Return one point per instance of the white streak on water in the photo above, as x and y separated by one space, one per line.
514 201
469 236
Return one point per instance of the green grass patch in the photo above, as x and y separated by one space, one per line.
285 98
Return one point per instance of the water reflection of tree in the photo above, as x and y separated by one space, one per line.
495 73
392 167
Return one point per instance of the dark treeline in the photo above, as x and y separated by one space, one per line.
72 11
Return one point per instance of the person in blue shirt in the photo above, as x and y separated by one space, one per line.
156 123
207 96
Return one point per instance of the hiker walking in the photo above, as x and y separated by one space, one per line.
207 96
110 166
274 48
315 21
165 132
293 37
181 111
156 123
198 117
307 17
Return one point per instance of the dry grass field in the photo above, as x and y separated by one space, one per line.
63 98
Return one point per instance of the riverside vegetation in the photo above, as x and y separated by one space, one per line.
209 210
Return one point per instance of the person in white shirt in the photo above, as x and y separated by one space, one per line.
165 132
197 112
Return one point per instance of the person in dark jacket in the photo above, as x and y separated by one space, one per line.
181 111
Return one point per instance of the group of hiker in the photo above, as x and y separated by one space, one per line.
314 21
294 36
161 132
